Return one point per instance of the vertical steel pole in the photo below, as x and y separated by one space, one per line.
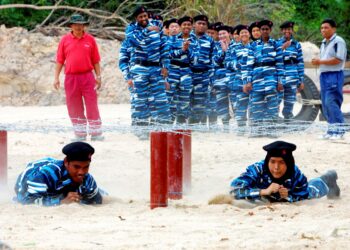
159 170
3 158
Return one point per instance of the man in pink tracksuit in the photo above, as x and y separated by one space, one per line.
78 52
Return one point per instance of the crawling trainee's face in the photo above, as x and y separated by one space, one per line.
77 170
277 167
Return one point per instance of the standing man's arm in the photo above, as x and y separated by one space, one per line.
95 58
97 69
58 70
331 61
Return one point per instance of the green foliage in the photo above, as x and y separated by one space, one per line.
307 14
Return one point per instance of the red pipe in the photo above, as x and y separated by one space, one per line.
3 158
187 150
175 161
159 170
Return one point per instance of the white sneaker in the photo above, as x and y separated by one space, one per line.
325 136
337 137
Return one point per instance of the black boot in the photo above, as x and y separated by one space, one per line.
330 178
180 119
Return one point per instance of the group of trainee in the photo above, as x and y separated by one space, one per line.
193 72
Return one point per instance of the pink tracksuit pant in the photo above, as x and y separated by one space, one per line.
81 95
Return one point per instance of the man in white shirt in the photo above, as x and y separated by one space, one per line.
332 62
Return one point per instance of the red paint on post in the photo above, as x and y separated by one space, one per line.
175 163
3 158
159 170
187 161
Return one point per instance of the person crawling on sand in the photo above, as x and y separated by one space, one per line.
278 179
52 182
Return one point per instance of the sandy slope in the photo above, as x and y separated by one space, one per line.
121 166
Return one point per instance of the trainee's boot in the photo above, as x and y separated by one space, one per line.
330 178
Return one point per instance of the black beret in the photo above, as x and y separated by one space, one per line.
217 25
253 25
225 27
234 28
240 27
170 21
157 17
211 26
165 23
201 18
139 10
150 14
279 148
287 24
265 22
185 19
78 151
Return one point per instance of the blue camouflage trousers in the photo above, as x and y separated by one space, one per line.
332 99
149 94
199 95
242 102
263 105
180 80
234 90
132 104
222 91
289 95
317 188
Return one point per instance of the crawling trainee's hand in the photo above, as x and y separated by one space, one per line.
283 192
71 197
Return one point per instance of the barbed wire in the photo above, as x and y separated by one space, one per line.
263 128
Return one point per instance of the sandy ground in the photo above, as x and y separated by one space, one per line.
121 166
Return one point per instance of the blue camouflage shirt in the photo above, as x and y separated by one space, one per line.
148 45
124 59
261 52
293 53
176 53
248 185
235 61
205 52
47 182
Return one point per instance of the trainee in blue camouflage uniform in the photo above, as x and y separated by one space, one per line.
264 77
201 71
183 51
213 32
277 178
51 182
232 71
124 66
235 61
254 30
293 69
149 61
173 29
222 75
332 61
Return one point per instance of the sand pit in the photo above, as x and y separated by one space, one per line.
121 166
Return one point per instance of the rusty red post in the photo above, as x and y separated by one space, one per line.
187 158
159 170
175 163
3 159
